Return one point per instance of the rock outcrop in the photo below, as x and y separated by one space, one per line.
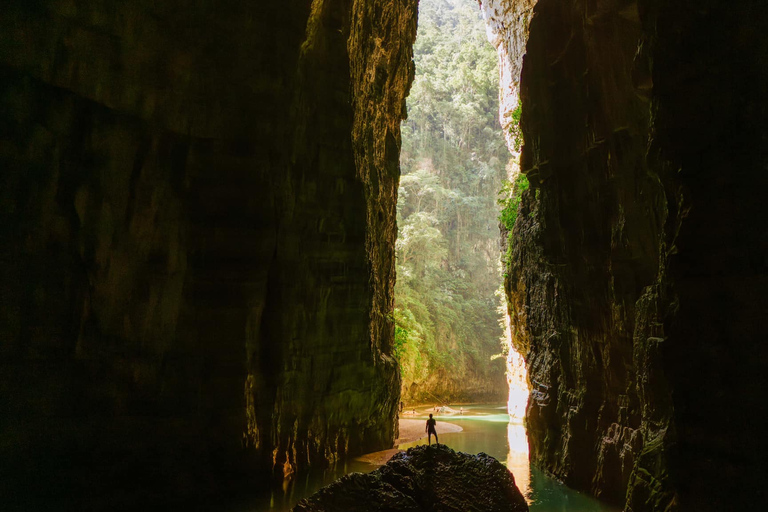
638 272
424 478
197 224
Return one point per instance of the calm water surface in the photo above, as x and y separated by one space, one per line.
486 429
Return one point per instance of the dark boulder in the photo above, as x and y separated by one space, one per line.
424 478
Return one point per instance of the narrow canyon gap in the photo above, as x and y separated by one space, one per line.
453 163
197 233
197 228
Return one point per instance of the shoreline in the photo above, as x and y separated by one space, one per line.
410 430
424 409
413 405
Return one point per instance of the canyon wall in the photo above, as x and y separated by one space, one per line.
506 24
637 280
197 211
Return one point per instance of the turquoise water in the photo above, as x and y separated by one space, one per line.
486 429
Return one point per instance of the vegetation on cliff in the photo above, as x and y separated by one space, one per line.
453 163
510 196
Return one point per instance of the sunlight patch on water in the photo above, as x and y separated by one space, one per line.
486 428
517 458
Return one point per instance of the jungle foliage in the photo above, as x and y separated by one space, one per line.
510 195
453 165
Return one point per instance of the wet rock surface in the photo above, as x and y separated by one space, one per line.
424 478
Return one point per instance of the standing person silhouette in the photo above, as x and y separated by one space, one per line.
431 430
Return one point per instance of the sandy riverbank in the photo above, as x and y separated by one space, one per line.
413 430
410 430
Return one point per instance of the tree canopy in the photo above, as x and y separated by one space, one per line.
453 165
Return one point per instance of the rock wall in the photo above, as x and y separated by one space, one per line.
198 218
638 270
472 382
506 24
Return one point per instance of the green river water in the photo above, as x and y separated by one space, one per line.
486 428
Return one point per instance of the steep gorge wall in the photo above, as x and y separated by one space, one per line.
506 24
638 273
198 219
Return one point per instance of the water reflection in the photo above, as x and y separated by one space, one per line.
517 459
486 428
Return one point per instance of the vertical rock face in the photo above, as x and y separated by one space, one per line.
506 24
638 270
586 247
198 218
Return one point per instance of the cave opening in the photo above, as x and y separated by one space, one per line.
460 193
454 161
198 251
460 183
459 186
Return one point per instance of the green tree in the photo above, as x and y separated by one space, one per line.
453 163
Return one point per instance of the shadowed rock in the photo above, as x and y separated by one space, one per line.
197 245
424 478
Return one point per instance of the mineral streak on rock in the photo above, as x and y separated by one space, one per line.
424 478
197 209
506 24
638 273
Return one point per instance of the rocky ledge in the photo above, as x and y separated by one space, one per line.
424 478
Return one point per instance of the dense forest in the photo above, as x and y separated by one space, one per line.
454 162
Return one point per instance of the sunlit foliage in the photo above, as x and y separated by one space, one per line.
453 161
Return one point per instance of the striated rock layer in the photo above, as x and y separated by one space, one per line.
637 286
506 24
424 478
197 211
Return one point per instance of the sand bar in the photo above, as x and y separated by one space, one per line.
410 430
413 430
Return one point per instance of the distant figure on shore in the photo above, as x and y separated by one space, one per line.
461 410
431 430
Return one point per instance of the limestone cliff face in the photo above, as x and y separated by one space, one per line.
506 24
638 268
471 381
197 207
